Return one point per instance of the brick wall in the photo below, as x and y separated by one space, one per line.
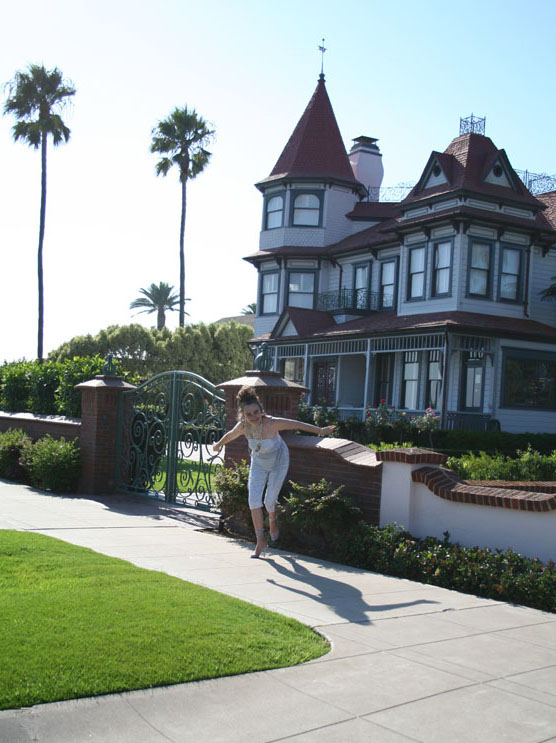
37 426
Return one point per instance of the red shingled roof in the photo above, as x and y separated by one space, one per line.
549 199
389 322
315 149
373 210
305 321
466 162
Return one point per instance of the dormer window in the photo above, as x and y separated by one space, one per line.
274 212
306 210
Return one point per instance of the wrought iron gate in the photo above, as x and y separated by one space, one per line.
165 429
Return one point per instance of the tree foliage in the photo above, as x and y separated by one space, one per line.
36 99
218 351
182 139
157 298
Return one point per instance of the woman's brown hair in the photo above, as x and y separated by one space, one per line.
247 396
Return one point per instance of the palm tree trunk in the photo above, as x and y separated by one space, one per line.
182 255
41 240
161 318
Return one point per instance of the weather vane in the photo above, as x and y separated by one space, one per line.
322 50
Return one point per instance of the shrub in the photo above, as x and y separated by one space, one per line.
231 485
15 386
53 464
12 444
529 465
317 513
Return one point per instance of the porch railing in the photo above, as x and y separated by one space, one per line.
471 421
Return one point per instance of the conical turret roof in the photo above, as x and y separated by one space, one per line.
315 149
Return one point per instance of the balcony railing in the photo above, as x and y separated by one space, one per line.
352 300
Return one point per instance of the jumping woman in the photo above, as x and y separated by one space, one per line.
270 458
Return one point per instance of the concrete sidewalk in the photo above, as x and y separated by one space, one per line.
409 662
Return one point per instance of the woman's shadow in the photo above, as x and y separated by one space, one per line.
344 599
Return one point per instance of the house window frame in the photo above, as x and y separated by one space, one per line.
520 281
260 303
523 354
367 288
490 245
305 192
381 305
268 198
433 293
420 297
434 380
314 273
299 368
410 357
476 363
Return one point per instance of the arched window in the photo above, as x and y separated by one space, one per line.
274 212
306 210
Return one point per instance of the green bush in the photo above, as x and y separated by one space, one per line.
53 464
492 442
316 516
231 485
505 576
529 465
12 444
15 386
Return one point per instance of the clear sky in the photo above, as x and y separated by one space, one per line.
402 71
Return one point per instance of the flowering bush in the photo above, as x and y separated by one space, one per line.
430 421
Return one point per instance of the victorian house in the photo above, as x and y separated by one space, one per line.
432 301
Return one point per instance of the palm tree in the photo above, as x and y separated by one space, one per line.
250 309
36 98
182 138
157 299
550 291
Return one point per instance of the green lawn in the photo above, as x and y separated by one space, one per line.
76 623
191 475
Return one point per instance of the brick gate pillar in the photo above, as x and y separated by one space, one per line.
99 424
278 396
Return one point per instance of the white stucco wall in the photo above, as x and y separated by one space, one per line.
422 513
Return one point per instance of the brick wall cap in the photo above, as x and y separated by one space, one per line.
446 484
413 455
254 378
34 417
105 381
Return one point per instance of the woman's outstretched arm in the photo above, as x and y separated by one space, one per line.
288 424
235 432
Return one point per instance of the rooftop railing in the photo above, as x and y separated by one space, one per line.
355 300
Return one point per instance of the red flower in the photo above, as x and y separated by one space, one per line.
382 401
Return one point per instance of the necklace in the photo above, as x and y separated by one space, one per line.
259 431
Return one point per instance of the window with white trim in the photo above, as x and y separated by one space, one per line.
480 269
410 385
510 272
434 379
306 210
473 381
274 212
442 267
361 285
269 293
387 284
301 289
416 273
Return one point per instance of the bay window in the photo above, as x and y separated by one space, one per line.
441 269
301 289
269 293
480 269
416 273
510 273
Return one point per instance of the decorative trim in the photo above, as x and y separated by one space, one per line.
446 484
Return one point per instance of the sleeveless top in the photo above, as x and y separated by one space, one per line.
267 454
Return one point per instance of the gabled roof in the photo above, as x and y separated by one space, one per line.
315 149
306 322
467 162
